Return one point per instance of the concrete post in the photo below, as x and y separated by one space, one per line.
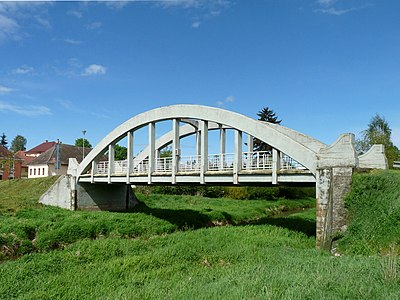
111 159
129 167
152 141
175 149
276 160
222 147
237 165
250 145
204 150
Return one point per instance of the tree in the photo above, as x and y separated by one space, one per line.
166 152
18 143
120 152
378 132
267 115
79 143
3 140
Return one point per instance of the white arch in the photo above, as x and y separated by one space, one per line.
298 146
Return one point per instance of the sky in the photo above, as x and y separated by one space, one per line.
325 67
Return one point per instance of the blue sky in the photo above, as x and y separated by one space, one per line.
324 66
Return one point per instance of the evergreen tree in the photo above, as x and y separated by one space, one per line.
267 115
3 140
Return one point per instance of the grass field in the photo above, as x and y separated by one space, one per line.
175 247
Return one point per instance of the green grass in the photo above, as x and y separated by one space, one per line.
374 214
243 262
22 193
154 253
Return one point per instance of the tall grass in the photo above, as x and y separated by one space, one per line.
374 214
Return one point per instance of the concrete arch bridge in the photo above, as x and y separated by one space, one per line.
102 182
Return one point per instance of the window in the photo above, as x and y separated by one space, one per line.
38 171
43 172
30 172
34 171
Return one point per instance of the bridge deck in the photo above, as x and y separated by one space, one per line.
210 177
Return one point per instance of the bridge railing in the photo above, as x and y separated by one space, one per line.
258 160
189 164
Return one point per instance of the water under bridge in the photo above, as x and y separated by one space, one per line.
102 182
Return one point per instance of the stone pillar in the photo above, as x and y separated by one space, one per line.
334 175
152 141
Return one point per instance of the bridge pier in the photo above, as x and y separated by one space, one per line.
334 174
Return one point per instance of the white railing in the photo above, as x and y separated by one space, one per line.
164 164
261 160
189 164
221 162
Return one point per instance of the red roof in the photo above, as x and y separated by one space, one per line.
26 159
4 152
43 147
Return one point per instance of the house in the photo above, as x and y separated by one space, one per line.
27 157
10 165
54 161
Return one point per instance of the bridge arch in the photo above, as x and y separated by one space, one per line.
298 146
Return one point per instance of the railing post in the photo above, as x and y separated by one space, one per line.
237 165
175 149
250 145
203 150
152 140
93 171
129 158
222 147
111 161
276 159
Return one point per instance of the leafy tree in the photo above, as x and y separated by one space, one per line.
378 132
166 152
3 140
266 115
79 143
121 152
18 143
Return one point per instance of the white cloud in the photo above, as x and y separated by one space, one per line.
76 13
72 41
8 28
117 4
30 111
94 69
5 90
23 70
230 99
93 25
335 12
196 24
328 7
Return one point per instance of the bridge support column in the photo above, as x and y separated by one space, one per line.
175 149
237 165
334 175
332 186
203 150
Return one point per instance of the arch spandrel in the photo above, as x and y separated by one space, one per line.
278 139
